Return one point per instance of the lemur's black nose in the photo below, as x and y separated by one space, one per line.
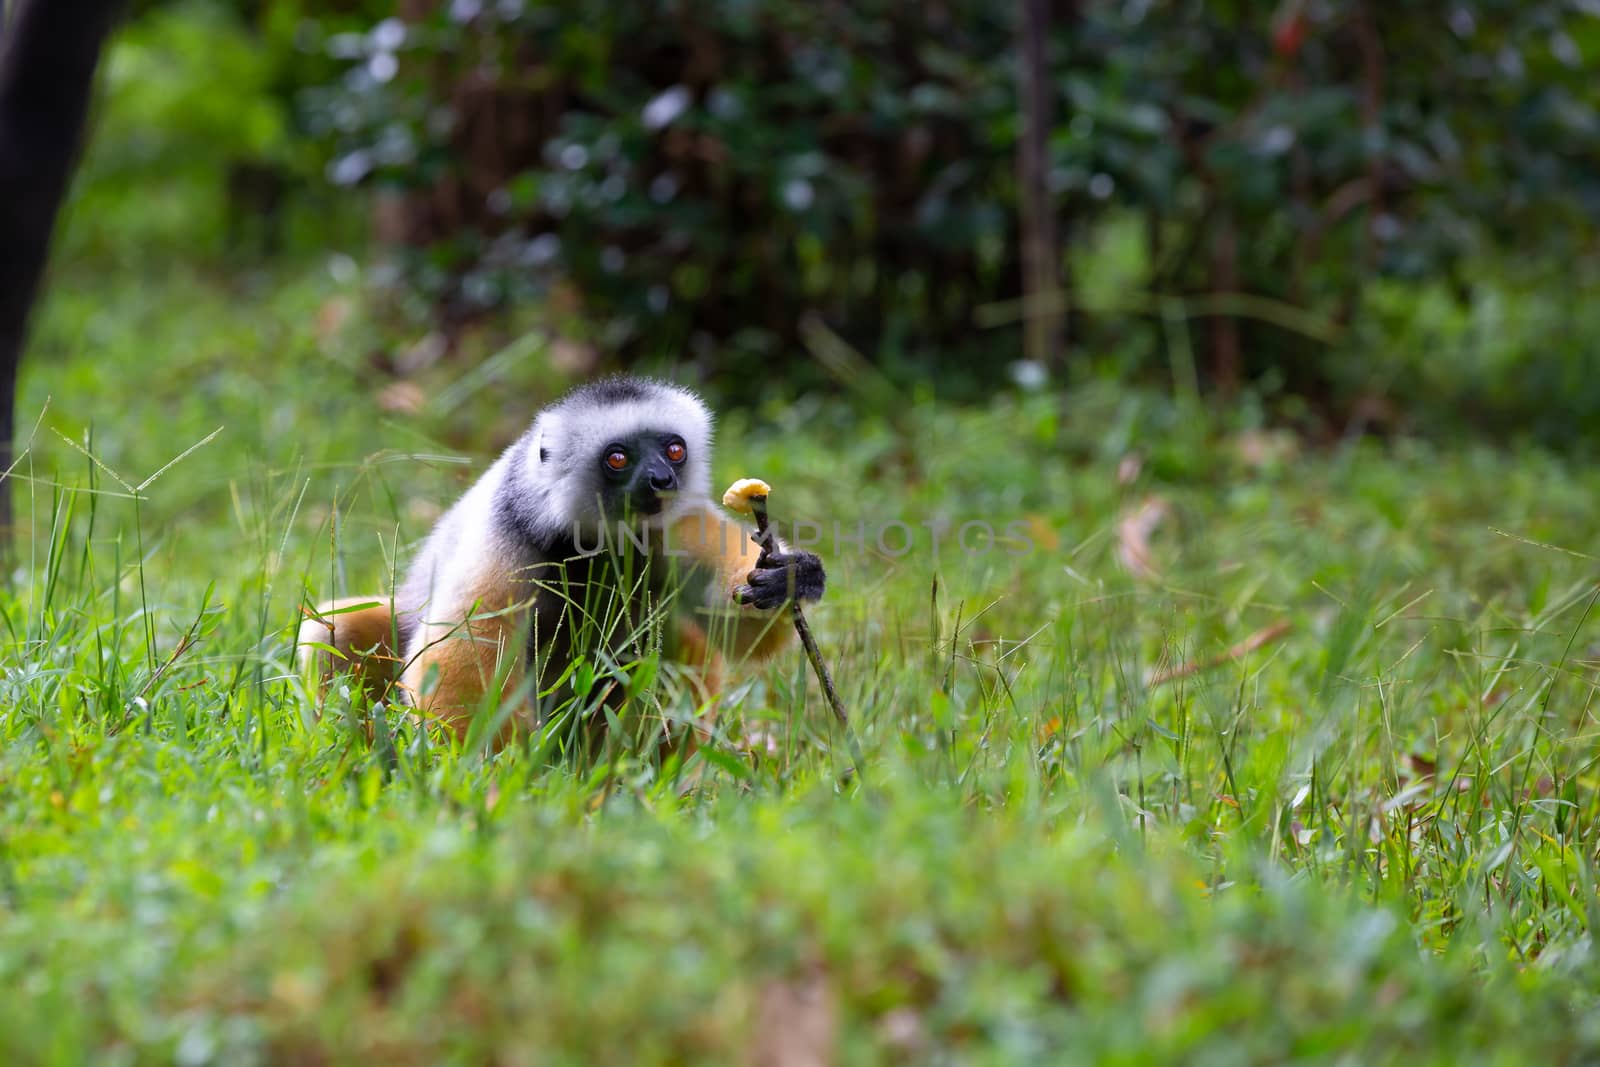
663 481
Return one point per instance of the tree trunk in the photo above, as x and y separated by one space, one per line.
1225 355
1041 254
50 51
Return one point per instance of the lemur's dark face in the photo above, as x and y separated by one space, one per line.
639 472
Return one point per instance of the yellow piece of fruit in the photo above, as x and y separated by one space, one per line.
740 493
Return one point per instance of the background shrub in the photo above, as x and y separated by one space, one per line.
698 177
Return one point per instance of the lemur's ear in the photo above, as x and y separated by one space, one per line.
544 453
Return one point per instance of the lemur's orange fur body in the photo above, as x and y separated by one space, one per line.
472 647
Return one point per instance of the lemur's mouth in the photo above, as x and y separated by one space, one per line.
649 504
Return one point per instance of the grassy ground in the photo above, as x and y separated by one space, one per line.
1306 772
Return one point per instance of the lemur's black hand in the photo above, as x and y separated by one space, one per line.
780 577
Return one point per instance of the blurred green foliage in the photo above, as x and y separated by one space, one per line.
186 94
1407 190
700 174
703 175
1514 354
200 146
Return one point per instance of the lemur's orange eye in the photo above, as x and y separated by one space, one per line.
676 452
616 459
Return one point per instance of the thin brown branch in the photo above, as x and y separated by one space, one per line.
1256 641
758 505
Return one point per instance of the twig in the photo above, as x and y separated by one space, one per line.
758 507
1257 640
1278 313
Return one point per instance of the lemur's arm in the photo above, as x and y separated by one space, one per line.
745 588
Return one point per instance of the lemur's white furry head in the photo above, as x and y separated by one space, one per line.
565 451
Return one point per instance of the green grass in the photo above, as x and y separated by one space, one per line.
1372 839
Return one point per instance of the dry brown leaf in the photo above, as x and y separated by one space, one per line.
428 349
573 358
902 1029
1417 766
797 1023
332 316
1266 448
761 741
1133 537
402 398
1042 533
